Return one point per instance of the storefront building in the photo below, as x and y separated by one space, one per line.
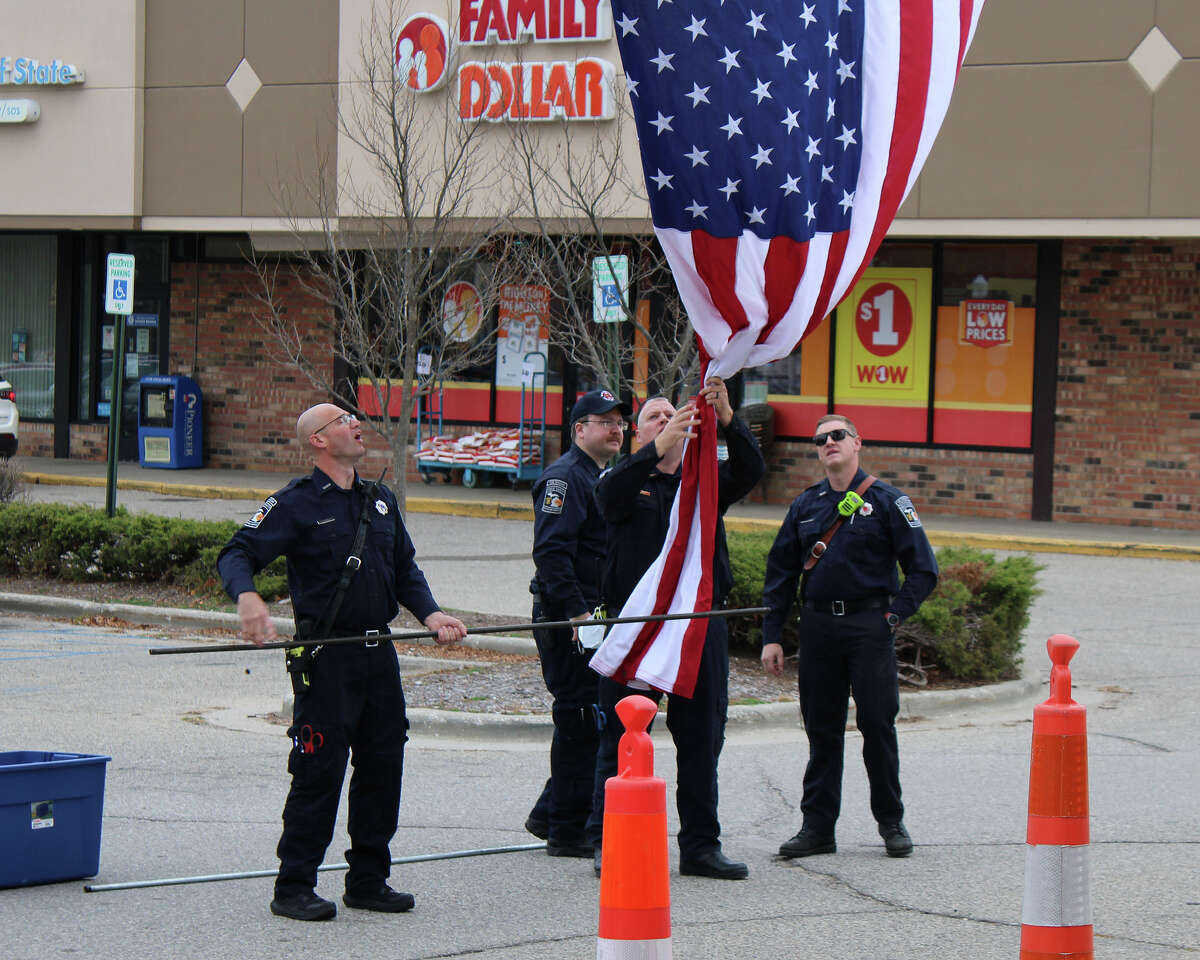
1024 345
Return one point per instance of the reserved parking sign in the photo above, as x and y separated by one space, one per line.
118 284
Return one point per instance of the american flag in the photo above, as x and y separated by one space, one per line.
778 140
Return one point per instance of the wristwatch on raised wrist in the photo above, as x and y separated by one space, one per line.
892 619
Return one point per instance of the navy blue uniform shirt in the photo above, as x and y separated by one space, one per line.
568 536
312 521
636 499
861 560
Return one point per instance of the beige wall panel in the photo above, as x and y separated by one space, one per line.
79 159
102 39
1179 20
193 153
191 43
1174 182
1060 31
293 41
1042 141
911 206
289 131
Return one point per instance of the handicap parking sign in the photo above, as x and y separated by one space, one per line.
118 284
610 278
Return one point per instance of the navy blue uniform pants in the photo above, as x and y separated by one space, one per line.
566 799
839 656
354 709
697 726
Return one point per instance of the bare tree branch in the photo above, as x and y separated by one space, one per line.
402 220
575 184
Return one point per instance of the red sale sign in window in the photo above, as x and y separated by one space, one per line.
985 323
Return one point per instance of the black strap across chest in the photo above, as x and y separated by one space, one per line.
353 562
819 548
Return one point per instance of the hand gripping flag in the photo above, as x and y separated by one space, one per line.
778 140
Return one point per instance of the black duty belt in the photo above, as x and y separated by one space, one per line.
839 608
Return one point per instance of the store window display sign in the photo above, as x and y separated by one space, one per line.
523 328
28 72
985 323
881 374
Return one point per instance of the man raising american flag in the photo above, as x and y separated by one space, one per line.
778 140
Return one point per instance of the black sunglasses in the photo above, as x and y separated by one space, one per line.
837 436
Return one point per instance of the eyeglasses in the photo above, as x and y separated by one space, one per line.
837 436
345 419
609 424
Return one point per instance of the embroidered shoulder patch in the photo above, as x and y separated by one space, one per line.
555 496
254 522
908 511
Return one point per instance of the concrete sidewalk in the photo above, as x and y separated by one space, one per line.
504 503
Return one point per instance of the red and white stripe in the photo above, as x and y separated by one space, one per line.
752 301
666 655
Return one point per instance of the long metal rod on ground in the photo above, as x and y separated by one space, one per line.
252 874
424 634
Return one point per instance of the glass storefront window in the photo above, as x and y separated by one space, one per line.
978 326
986 319
28 302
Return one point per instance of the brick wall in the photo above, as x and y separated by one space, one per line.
251 397
89 441
34 439
1128 420
950 482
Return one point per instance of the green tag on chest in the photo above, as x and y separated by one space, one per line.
850 502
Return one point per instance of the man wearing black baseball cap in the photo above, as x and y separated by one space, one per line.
568 550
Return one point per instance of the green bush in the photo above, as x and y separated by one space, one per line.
970 626
748 558
973 621
83 544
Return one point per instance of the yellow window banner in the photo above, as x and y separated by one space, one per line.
882 340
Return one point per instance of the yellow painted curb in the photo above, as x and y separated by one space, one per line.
1095 548
987 541
199 491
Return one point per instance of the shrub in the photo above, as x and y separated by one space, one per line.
970 626
85 544
973 621
12 487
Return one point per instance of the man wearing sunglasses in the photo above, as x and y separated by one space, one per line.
851 604
350 567
568 550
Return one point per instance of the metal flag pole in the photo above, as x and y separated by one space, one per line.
252 874
423 634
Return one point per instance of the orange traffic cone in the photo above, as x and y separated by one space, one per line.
635 892
1056 919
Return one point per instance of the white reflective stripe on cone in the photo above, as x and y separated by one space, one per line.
633 949
1056 887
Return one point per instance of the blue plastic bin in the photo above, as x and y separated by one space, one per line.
51 805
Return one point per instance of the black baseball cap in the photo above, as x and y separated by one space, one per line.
598 401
